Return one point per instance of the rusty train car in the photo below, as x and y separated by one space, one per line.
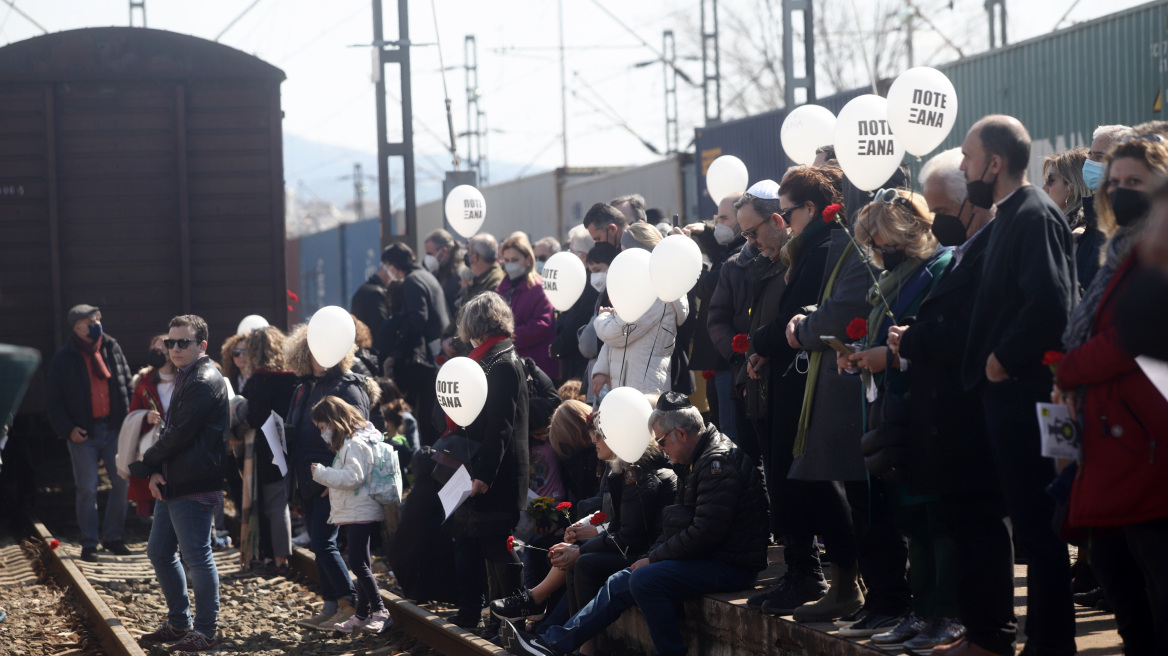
140 171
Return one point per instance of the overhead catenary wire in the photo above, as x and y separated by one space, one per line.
445 91
657 53
237 19
12 3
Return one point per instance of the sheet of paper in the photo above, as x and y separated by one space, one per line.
230 390
1156 371
1060 434
273 430
455 492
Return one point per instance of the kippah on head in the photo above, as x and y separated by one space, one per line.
767 189
670 401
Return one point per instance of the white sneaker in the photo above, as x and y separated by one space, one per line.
378 622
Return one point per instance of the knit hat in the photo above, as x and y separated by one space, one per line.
79 312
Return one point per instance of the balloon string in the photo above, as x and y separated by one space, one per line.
660 325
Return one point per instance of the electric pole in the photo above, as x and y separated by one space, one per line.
140 5
711 63
669 50
998 31
807 80
563 88
474 116
394 52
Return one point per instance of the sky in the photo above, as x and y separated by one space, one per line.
329 97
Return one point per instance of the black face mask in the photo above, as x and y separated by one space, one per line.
949 229
979 192
893 259
1128 205
156 359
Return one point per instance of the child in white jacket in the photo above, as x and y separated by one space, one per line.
352 438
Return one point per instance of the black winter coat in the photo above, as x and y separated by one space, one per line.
305 445
948 447
368 304
721 511
566 345
1088 245
730 308
638 496
1027 290
419 321
193 446
67 387
769 285
705 353
581 475
267 392
501 432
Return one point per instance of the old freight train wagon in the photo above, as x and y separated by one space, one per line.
140 171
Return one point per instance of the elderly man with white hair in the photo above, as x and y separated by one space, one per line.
1089 243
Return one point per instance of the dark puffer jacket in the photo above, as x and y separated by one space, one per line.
639 493
67 383
305 445
721 511
194 443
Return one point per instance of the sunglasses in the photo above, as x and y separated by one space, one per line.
238 352
180 344
890 196
660 441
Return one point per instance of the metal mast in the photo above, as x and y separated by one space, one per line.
711 63
669 50
807 80
140 5
397 53
474 115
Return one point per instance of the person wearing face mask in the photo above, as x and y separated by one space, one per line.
589 344
544 249
153 387
1021 307
368 302
534 315
897 229
1120 481
88 395
444 258
1089 244
959 470
483 275
605 223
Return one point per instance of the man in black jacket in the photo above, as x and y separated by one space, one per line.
714 539
88 390
368 303
185 471
425 318
1025 296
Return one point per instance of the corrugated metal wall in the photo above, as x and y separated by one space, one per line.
1061 86
660 183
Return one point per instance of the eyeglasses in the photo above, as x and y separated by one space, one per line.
238 352
890 196
180 344
660 441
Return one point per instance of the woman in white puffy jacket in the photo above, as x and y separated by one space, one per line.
352 438
637 354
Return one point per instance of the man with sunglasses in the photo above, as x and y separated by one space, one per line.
88 396
185 471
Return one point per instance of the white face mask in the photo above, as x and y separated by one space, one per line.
431 263
723 234
599 281
539 266
514 270
327 436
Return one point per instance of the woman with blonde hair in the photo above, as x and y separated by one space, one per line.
1062 180
896 229
535 323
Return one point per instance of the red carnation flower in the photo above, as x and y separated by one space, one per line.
289 308
740 343
598 519
510 543
830 211
54 543
707 374
564 506
1052 358
858 328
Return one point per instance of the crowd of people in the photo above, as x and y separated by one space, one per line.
853 377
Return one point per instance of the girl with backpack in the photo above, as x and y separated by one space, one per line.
353 439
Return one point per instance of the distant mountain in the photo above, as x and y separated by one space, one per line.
314 169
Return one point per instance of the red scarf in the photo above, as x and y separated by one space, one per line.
477 355
91 351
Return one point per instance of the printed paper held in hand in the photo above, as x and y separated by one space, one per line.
273 430
1060 433
456 491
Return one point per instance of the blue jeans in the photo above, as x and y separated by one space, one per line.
331 572
101 445
655 588
727 417
184 524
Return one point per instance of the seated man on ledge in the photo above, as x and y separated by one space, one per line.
714 539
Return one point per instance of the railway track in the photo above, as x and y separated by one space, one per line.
105 607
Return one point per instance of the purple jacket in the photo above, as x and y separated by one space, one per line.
535 322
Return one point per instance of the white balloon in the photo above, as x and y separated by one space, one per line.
251 322
629 287
674 267
623 419
564 277
922 107
462 390
805 130
726 175
331 333
466 210
864 145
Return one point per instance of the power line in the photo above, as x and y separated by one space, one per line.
12 3
318 37
660 56
236 19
